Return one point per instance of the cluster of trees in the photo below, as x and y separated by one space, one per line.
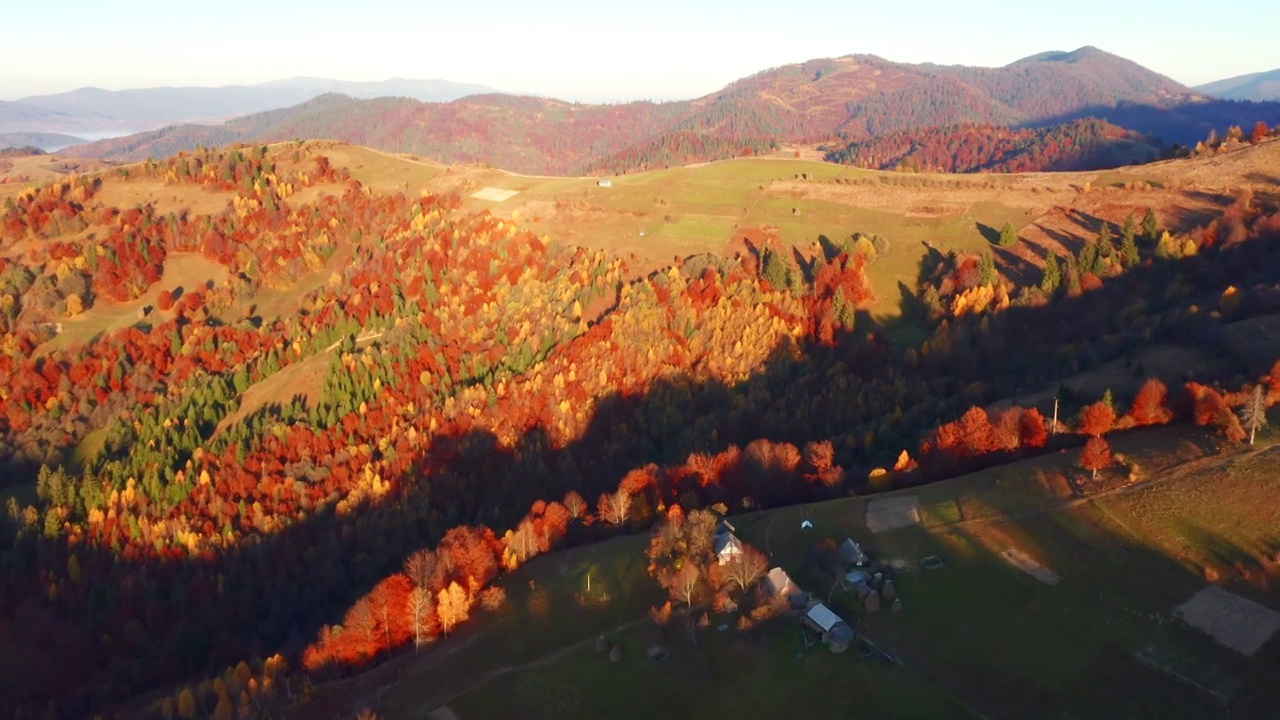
1087 144
497 371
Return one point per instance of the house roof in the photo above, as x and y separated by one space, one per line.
727 543
822 616
777 582
724 526
852 551
855 577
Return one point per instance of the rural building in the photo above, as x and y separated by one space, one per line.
852 553
604 182
724 527
854 578
836 633
778 584
726 546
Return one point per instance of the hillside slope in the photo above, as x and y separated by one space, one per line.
1262 86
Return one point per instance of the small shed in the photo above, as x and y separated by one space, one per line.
852 553
604 182
726 547
854 578
836 633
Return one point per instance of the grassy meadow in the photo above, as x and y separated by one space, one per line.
978 637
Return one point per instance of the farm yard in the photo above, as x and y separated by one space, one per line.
1031 602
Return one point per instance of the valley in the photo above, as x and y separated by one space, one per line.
305 427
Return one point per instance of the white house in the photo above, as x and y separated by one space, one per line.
726 546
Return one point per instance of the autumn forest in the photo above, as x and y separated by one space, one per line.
292 425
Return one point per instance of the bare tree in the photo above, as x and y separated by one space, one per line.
422 568
699 533
359 619
615 506
523 541
576 505
1254 412
419 606
685 584
746 567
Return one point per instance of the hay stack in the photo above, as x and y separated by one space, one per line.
888 592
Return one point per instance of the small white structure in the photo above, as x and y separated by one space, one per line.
726 547
806 525
604 182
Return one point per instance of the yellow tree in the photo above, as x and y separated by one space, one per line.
452 607
187 704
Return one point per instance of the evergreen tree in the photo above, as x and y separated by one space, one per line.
987 274
776 270
1104 235
1129 250
1008 235
1052 275
1150 229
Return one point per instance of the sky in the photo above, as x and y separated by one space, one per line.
596 51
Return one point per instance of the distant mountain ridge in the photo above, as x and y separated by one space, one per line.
1260 86
95 109
47 142
850 99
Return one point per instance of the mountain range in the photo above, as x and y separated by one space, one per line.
851 98
1255 86
99 111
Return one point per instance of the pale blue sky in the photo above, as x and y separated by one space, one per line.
595 50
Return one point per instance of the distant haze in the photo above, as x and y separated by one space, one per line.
581 50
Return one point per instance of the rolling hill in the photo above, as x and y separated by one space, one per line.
855 98
1261 86
228 369
96 110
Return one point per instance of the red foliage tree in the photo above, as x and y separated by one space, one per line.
1097 419
977 434
1149 405
1034 431
1095 456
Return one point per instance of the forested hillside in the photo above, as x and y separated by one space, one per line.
853 98
245 404
1079 145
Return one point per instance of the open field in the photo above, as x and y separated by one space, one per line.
982 635
705 207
